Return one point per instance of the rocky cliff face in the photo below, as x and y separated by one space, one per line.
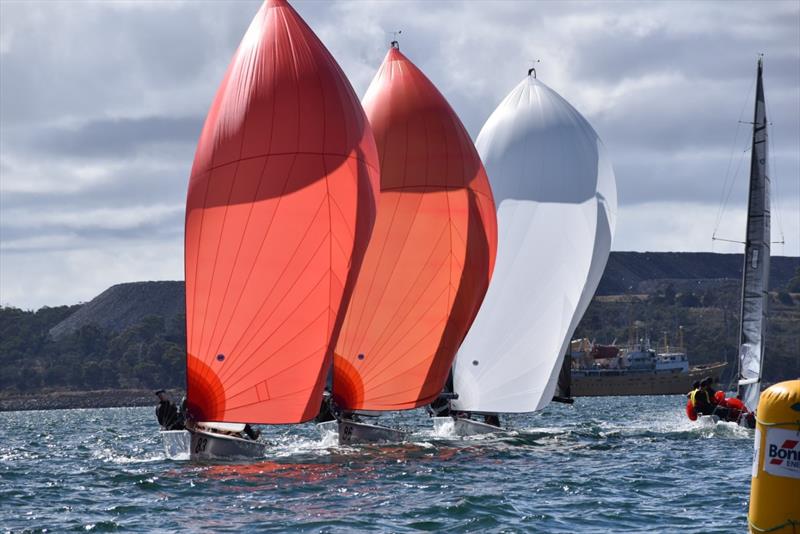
123 305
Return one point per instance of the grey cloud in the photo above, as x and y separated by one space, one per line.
114 138
121 88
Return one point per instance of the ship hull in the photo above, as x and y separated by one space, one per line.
604 384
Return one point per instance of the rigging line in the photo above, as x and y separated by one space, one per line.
721 210
730 190
727 240
730 186
774 180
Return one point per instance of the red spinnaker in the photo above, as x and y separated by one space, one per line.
280 208
432 250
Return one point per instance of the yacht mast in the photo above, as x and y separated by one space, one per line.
755 271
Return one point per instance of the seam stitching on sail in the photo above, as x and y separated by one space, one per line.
261 182
384 337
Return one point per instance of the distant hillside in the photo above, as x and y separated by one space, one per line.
643 272
132 336
124 305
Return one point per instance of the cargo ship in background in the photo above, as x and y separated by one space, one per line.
636 369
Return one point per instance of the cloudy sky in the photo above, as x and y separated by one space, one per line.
101 104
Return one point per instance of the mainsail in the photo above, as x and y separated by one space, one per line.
280 207
431 255
556 197
755 272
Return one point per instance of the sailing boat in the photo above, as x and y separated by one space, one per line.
280 208
755 270
556 197
429 261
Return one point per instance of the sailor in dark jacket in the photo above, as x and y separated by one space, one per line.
707 388
167 413
702 401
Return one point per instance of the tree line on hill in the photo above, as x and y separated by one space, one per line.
151 352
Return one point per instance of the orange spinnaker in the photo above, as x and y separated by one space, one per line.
432 250
280 208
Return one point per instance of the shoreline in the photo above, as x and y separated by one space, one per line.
70 400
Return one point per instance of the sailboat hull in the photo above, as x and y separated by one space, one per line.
457 426
353 433
206 446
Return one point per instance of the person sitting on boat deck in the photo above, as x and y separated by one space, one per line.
710 394
701 401
439 407
693 393
491 419
326 409
167 413
250 432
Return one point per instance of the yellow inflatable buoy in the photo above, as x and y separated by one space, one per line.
775 483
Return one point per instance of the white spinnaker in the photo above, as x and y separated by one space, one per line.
556 197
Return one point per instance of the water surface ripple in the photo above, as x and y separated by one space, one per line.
603 465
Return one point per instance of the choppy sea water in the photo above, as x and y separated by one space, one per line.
602 465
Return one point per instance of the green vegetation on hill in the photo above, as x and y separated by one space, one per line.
133 335
148 354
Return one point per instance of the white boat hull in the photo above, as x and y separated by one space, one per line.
353 433
457 426
205 446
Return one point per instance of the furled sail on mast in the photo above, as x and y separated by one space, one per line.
432 250
280 207
556 197
755 272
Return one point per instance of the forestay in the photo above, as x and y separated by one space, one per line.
430 258
556 196
280 207
755 272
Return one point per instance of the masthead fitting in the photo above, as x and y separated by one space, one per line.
532 70
395 43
